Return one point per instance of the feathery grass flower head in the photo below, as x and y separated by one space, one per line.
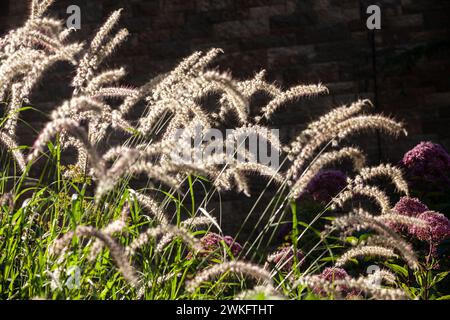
332 274
365 251
428 162
7 199
260 293
437 230
235 267
326 184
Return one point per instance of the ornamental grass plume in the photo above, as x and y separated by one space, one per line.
360 220
383 275
398 219
25 54
188 224
79 108
296 92
237 173
51 129
332 118
320 162
365 251
370 192
7 199
348 287
117 226
260 293
199 221
38 7
151 205
106 77
152 233
116 250
99 108
67 126
81 164
383 170
254 130
339 132
13 110
12 146
235 267
112 176
248 88
99 49
223 82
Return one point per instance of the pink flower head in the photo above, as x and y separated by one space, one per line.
333 274
284 258
407 206
411 207
437 230
428 162
326 184
211 243
235 247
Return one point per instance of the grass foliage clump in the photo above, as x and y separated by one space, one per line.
125 220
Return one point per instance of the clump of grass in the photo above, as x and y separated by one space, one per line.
62 219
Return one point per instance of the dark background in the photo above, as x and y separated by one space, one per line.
404 67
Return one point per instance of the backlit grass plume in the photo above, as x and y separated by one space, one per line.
138 193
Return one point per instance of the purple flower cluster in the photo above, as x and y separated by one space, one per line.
428 162
407 206
331 274
211 243
437 225
326 184
410 207
437 230
285 257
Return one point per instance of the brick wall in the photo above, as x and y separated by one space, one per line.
404 68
